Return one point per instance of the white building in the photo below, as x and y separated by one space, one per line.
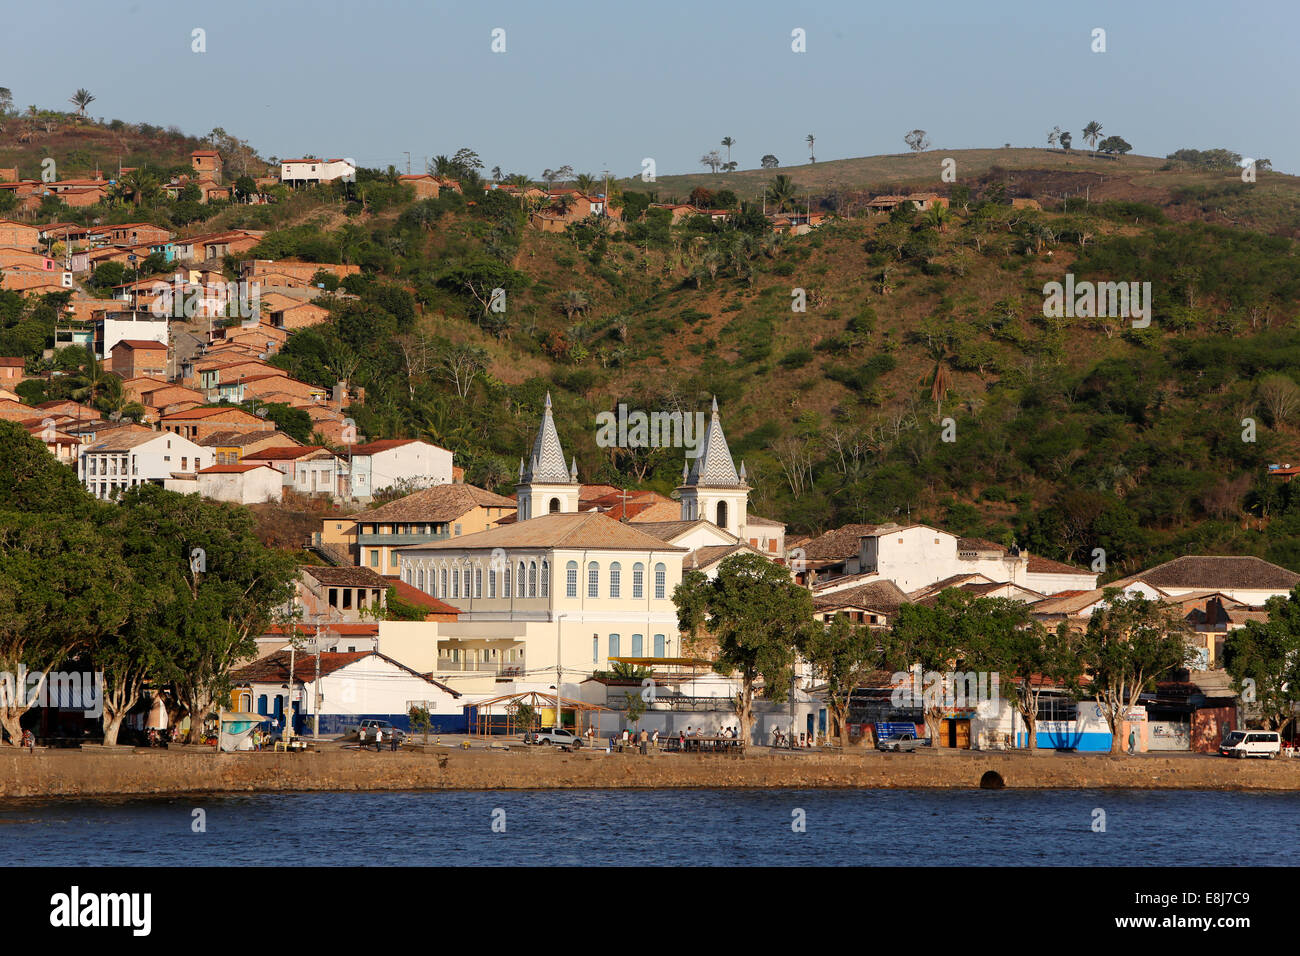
113 327
343 688
304 172
304 469
241 484
917 556
132 456
378 465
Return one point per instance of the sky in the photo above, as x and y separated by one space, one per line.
603 85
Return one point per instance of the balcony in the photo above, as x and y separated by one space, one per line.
502 669
397 540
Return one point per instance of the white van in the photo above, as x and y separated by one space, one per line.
1251 743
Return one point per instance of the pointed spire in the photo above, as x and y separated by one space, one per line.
743 476
521 469
546 463
573 471
686 472
714 467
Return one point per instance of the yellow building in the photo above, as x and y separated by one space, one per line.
434 514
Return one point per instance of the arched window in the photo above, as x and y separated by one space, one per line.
571 579
660 649
455 582
637 645
492 582
478 582
546 578
661 579
464 587
555 508
505 582
593 580
532 579
520 581
722 514
420 578
442 578
615 579
613 646
638 580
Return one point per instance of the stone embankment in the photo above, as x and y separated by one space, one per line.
93 772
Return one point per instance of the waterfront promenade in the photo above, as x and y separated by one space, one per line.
98 772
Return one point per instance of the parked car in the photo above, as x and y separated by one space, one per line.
366 731
553 735
1251 743
902 743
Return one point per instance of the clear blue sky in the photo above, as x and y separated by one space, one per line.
601 85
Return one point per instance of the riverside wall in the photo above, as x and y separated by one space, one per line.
100 773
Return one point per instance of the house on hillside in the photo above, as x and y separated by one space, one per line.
242 484
393 462
132 456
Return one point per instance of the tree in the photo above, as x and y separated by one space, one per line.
728 142
917 141
420 720
712 160
461 364
81 99
936 639
810 140
938 216
1267 654
573 302
769 161
1065 141
1114 144
585 183
60 591
220 584
1091 133
6 101
1054 136
1281 398
1129 644
843 656
781 191
757 615
1026 655
551 176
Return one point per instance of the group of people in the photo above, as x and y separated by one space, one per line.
379 740
791 741
645 740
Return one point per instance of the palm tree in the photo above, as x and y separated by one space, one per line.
728 142
937 216
810 139
781 191
93 380
81 99
585 182
573 302
137 185
1090 134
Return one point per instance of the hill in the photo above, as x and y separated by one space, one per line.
1070 434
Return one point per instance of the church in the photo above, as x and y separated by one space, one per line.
568 586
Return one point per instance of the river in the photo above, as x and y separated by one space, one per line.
662 828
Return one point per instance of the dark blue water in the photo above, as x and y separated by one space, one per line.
663 828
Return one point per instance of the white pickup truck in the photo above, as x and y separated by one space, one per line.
553 735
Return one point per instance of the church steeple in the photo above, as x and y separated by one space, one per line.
546 484
711 488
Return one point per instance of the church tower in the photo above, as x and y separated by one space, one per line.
546 486
711 489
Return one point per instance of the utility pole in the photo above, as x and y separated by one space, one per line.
559 720
315 706
288 707
408 161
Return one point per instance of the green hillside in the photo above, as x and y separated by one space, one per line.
1071 434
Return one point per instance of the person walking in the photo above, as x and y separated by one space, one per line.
1132 741
392 741
379 739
